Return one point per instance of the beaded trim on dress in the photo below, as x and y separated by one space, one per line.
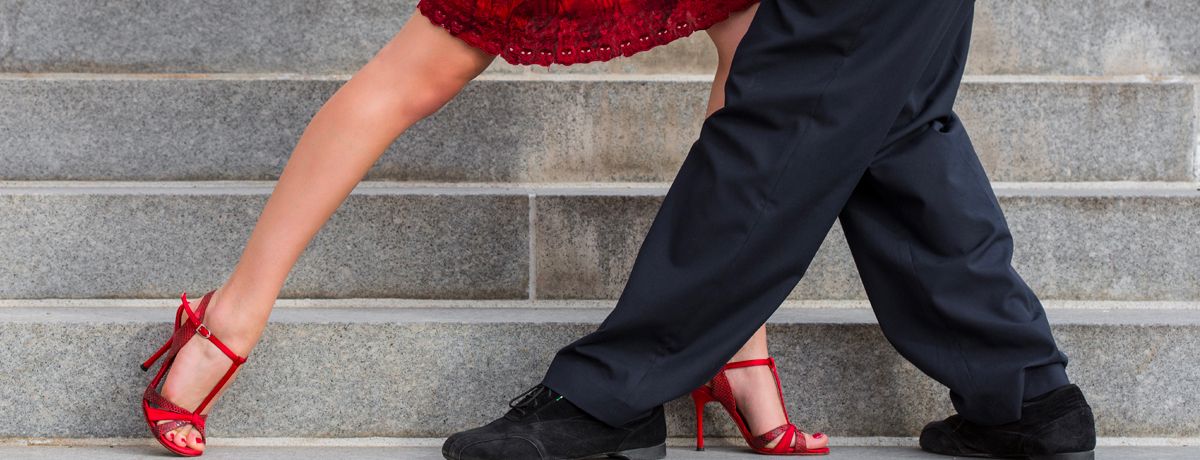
604 33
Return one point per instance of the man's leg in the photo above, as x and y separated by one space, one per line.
814 90
934 252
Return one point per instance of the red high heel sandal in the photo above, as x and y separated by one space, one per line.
156 407
719 390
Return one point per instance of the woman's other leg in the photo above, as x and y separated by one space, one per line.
760 400
416 73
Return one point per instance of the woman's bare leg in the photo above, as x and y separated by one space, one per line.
421 69
761 403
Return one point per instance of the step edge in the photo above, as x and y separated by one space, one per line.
549 304
569 77
264 187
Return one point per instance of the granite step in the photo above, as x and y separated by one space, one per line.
1062 37
418 372
548 128
1090 241
219 451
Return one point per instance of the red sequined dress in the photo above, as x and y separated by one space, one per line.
545 32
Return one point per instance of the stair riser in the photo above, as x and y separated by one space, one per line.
350 379
544 131
473 246
1011 37
1088 248
375 246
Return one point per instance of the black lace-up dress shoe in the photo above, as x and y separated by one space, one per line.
543 425
1055 426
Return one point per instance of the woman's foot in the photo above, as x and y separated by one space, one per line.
758 399
198 368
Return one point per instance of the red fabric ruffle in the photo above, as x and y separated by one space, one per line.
544 32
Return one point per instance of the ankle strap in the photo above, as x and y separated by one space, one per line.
195 321
769 362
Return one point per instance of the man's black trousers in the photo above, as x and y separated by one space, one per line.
834 109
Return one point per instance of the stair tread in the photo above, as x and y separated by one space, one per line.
542 315
434 453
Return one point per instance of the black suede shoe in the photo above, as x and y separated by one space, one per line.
1055 426
543 425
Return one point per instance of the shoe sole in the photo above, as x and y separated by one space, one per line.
963 452
645 453
1089 455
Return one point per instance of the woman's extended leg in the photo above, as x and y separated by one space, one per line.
421 69
760 400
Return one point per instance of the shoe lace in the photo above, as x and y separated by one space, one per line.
529 399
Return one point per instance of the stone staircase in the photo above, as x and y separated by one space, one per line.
138 141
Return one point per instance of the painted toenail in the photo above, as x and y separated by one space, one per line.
818 436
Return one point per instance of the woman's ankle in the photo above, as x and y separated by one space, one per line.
235 322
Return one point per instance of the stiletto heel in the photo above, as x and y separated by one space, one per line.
700 398
719 390
158 354
156 407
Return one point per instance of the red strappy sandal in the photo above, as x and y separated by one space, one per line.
156 407
719 390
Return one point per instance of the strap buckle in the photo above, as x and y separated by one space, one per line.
203 331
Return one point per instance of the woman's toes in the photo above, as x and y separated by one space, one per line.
195 441
181 436
815 441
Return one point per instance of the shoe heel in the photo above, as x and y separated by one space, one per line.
645 453
1089 455
700 398
158 354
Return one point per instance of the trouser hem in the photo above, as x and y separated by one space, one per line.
1044 379
1038 381
597 400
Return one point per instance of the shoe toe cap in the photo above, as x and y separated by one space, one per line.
480 446
938 437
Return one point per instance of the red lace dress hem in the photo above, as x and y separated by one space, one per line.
545 32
